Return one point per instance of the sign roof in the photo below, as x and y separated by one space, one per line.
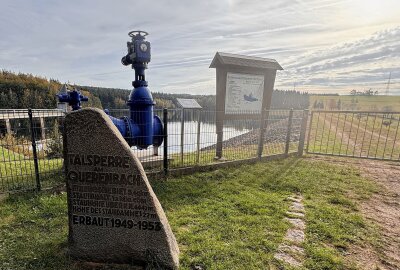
222 59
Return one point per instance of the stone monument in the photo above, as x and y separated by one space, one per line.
114 215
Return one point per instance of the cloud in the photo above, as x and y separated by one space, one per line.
318 42
363 63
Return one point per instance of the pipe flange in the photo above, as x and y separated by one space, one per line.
129 132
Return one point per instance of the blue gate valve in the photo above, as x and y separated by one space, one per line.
73 98
142 128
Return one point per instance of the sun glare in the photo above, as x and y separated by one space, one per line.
373 11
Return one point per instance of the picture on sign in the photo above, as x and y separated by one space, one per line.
244 93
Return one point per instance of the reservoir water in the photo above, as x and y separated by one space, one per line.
208 136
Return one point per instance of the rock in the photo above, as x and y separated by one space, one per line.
287 258
114 215
292 249
295 235
295 199
297 223
296 207
295 214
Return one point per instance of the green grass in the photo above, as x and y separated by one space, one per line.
6 154
229 154
17 172
360 103
226 219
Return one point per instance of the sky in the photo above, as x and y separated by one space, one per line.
324 46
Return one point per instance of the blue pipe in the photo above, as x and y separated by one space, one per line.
143 128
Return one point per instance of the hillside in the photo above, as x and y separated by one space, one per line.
115 98
20 90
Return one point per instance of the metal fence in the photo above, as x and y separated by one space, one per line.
362 134
30 149
191 138
31 142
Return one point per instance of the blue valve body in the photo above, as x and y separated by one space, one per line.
73 98
142 128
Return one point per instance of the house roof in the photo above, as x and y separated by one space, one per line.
221 58
188 103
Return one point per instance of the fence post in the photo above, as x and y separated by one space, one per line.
198 136
182 134
165 152
35 158
303 129
289 132
261 135
309 131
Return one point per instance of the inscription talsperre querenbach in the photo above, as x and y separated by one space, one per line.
106 198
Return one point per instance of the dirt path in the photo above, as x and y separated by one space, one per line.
362 132
338 133
383 209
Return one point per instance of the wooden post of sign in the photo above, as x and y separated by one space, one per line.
261 137
269 81
237 98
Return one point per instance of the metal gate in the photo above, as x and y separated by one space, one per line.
361 134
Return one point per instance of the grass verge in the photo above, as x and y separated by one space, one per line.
226 219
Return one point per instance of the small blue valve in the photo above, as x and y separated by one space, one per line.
73 98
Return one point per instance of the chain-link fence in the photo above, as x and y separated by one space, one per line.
31 142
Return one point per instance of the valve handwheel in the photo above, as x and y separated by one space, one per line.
138 32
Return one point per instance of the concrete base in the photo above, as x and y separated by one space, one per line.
221 159
151 161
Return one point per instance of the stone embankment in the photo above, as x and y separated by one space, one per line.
275 133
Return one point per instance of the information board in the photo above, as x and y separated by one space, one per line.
244 93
